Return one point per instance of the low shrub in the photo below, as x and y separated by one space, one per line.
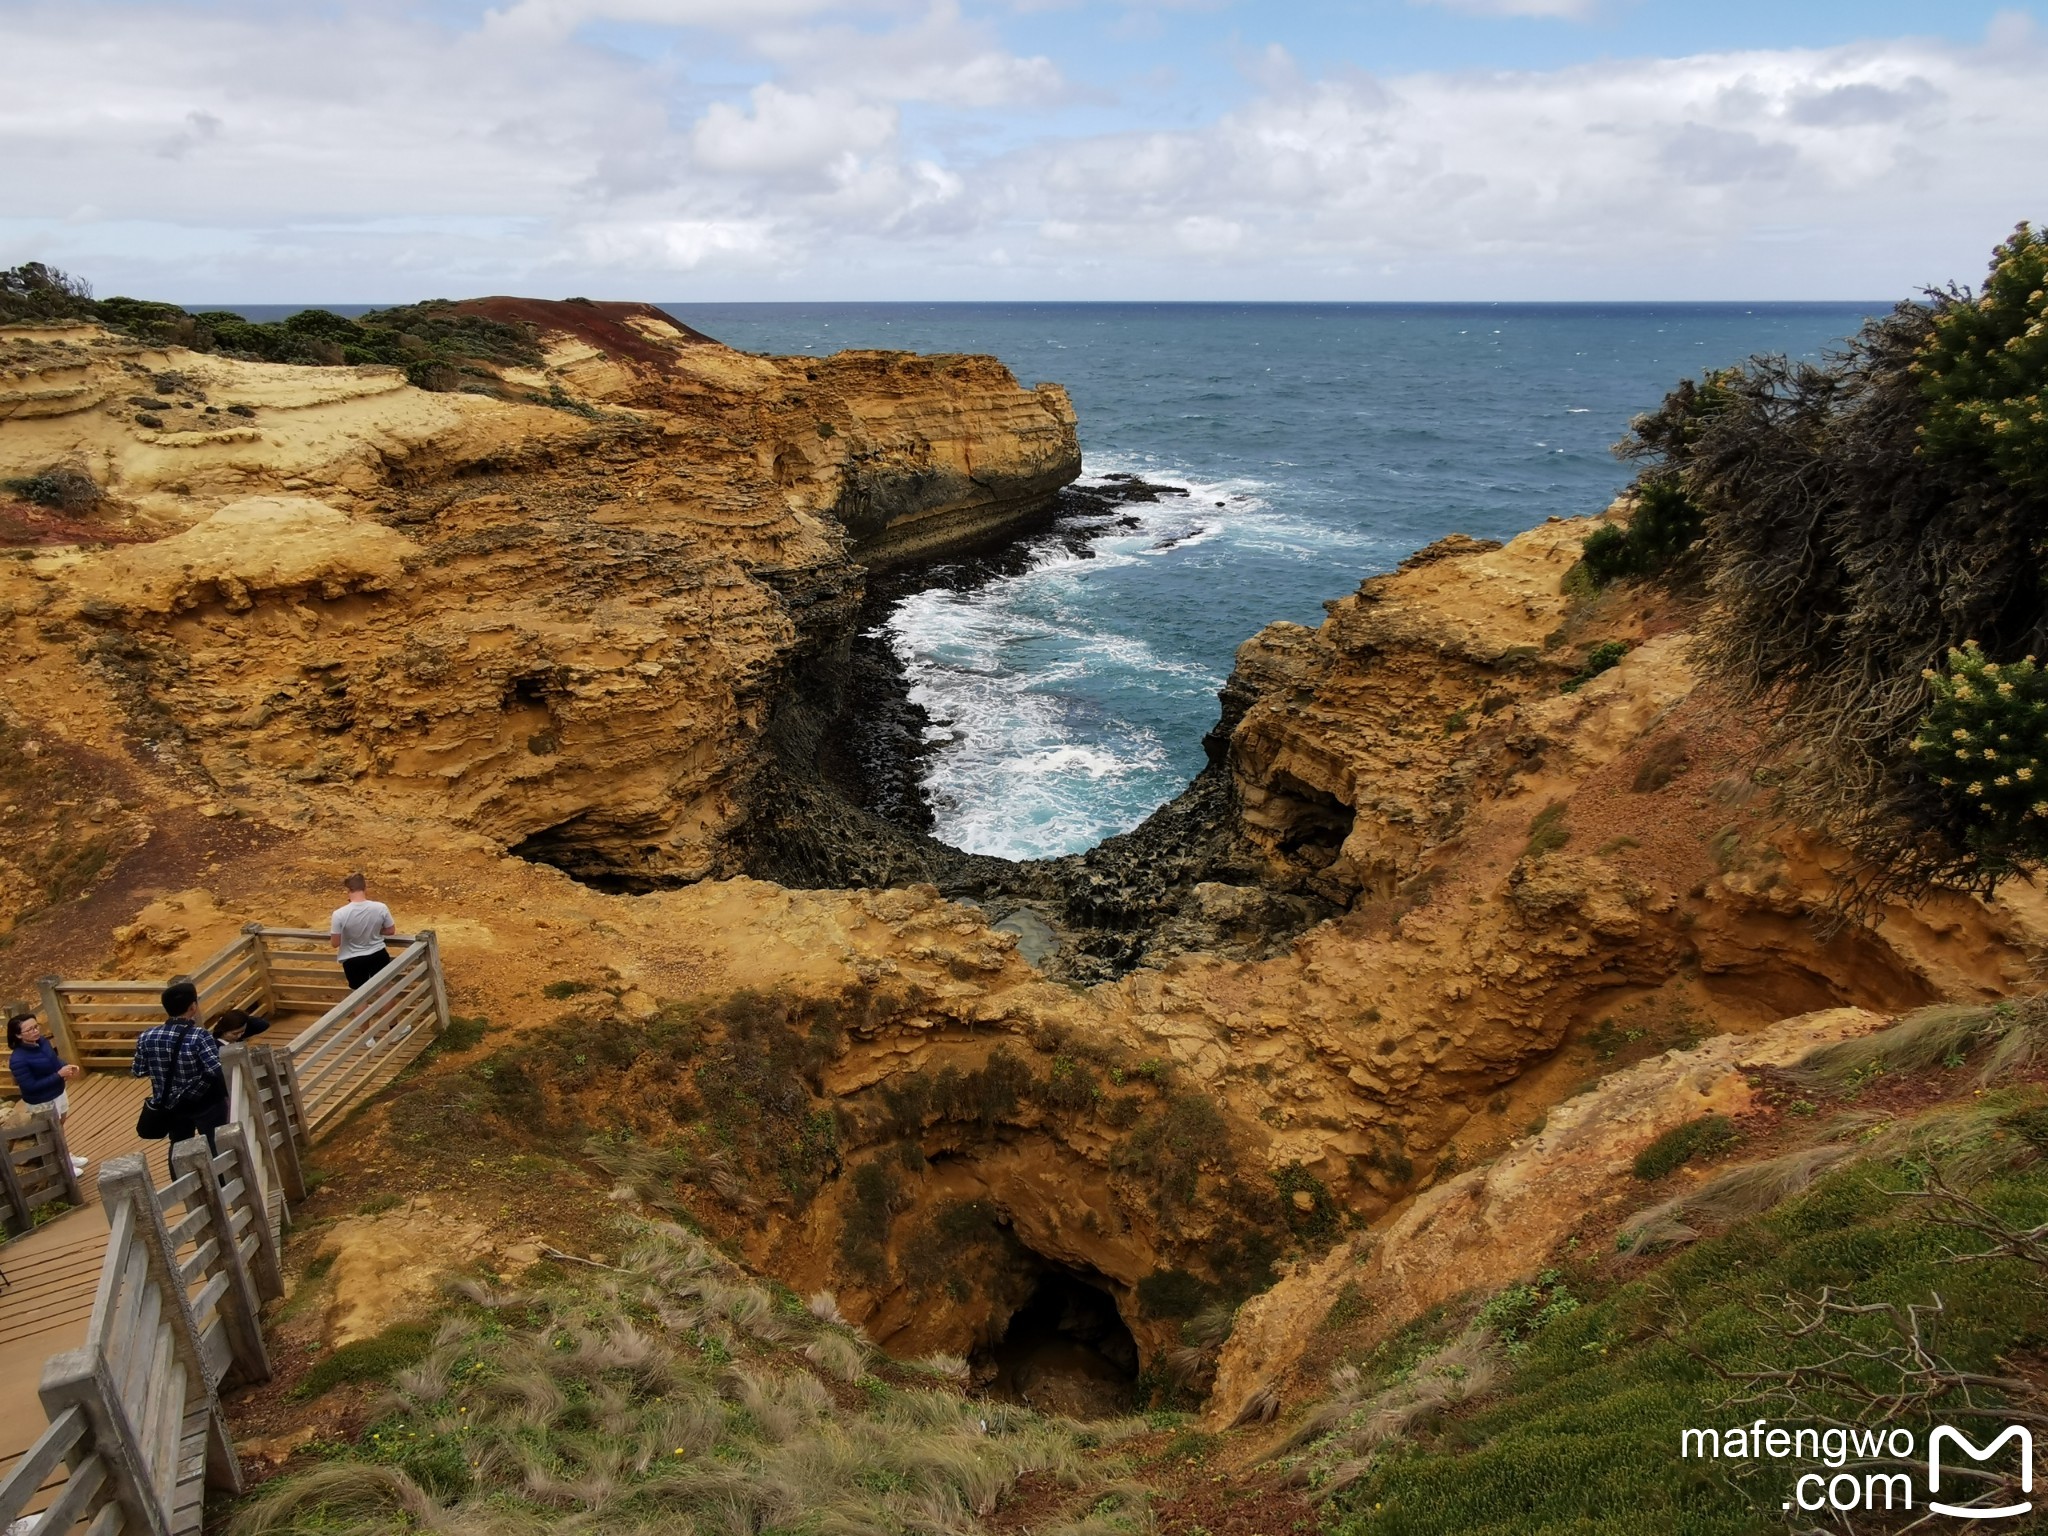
1603 657
371 1359
1547 831
1701 1138
59 488
1582 1439
1656 540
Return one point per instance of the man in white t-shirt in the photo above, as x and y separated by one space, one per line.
358 931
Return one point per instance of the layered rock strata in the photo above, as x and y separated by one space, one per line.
565 621
1442 873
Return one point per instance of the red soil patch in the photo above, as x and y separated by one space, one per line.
604 326
23 526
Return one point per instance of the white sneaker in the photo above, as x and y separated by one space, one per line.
78 1164
369 1042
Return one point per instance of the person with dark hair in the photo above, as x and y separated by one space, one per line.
234 1026
188 1095
43 1077
358 930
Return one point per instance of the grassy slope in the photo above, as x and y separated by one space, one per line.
674 1392
1584 1435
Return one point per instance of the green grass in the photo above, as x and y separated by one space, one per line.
1704 1137
1547 831
1584 1437
675 1394
556 991
1601 658
371 1359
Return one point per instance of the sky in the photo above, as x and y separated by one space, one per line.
373 151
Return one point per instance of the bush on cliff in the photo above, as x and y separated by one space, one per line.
1861 517
674 1392
37 292
437 344
1657 540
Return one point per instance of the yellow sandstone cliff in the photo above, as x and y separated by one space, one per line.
371 625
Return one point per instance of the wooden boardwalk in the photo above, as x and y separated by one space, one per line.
120 1322
52 1272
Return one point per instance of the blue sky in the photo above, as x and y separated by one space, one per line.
380 150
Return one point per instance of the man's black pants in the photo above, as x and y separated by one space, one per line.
360 968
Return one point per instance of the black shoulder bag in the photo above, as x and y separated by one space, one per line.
154 1123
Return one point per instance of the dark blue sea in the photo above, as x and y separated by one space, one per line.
1319 444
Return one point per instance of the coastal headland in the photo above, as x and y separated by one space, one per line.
566 654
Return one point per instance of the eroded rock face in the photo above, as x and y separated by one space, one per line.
566 626
1491 1226
1424 893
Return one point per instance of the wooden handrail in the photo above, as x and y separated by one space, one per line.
188 1265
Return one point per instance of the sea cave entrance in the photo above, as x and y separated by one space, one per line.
1066 1350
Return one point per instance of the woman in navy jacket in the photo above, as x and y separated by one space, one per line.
42 1076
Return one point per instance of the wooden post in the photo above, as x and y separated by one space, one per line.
241 1308
440 981
83 1378
301 1136
20 1218
223 1466
127 1178
269 1071
59 1026
266 1267
254 933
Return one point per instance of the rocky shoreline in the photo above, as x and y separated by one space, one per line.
843 806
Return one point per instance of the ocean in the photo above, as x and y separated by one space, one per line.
1319 444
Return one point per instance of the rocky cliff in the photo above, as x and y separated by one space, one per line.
559 612
1474 844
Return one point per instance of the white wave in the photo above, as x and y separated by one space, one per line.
1020 678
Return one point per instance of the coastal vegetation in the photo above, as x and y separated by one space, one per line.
440 346
1885 1272
1870 530
672 1391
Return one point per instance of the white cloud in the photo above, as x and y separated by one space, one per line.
887 147
791 134
1518 183
939 57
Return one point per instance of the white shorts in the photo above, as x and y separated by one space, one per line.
60 1106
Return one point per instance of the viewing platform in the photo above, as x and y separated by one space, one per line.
130 1298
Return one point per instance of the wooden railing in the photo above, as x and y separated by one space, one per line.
347 1048
134 1410
35 1170
135 1419
266 970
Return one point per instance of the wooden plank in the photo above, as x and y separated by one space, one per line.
373 1018
38 1462
84 1484
78 1379
344 1088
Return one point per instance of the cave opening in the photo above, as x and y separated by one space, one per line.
1066 1350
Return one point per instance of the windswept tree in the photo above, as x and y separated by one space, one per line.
1871 531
